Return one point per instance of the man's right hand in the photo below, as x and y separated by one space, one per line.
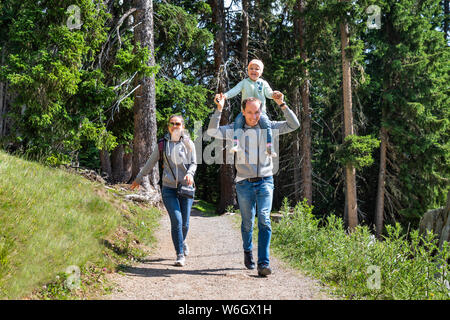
134 185
219 100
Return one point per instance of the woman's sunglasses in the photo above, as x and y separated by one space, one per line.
175 124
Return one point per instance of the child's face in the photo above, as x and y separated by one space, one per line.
254 71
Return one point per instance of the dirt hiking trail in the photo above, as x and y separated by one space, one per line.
214 269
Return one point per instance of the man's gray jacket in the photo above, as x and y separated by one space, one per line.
253 143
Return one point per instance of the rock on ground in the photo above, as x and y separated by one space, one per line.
438 222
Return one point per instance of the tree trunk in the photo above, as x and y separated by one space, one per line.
306 116
245 32
144 100
261 30
121 164
297 160
218 19
350 173
105 164
3 99
446 17
127 167
2 107
226 172
117 164
379 212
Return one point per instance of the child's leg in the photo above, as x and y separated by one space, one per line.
239 122
264 123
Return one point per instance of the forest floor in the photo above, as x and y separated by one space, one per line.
214 269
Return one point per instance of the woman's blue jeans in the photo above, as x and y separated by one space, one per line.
256 197
179 209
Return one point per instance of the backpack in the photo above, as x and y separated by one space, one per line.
161 148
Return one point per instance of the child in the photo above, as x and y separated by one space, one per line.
253 86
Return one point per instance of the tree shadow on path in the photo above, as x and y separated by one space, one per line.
173 270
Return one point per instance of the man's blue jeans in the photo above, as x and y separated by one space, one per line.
256 197
179 209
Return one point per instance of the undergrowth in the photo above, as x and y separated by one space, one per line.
356 265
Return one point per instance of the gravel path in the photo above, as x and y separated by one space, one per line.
214 269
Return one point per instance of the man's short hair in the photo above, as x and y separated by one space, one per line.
244 102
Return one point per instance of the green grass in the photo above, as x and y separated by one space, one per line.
205 207
51 219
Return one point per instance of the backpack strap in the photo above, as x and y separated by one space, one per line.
161 147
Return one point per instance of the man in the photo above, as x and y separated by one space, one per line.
254 177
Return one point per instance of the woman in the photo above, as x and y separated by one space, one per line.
179 163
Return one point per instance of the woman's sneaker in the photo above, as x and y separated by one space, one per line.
180 260
185 249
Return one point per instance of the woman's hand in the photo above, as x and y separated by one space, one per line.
189 179
135 185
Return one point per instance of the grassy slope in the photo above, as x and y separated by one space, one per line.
51 219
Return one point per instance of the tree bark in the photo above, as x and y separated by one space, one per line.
127 167
144 100
306 111
379 212
105 163
350 173
121 164
3 99
296 150
446 17
117 164
226 171
2 107
245 32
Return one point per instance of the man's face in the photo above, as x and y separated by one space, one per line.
252 113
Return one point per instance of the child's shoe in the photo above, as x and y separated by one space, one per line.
270 151
235 147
